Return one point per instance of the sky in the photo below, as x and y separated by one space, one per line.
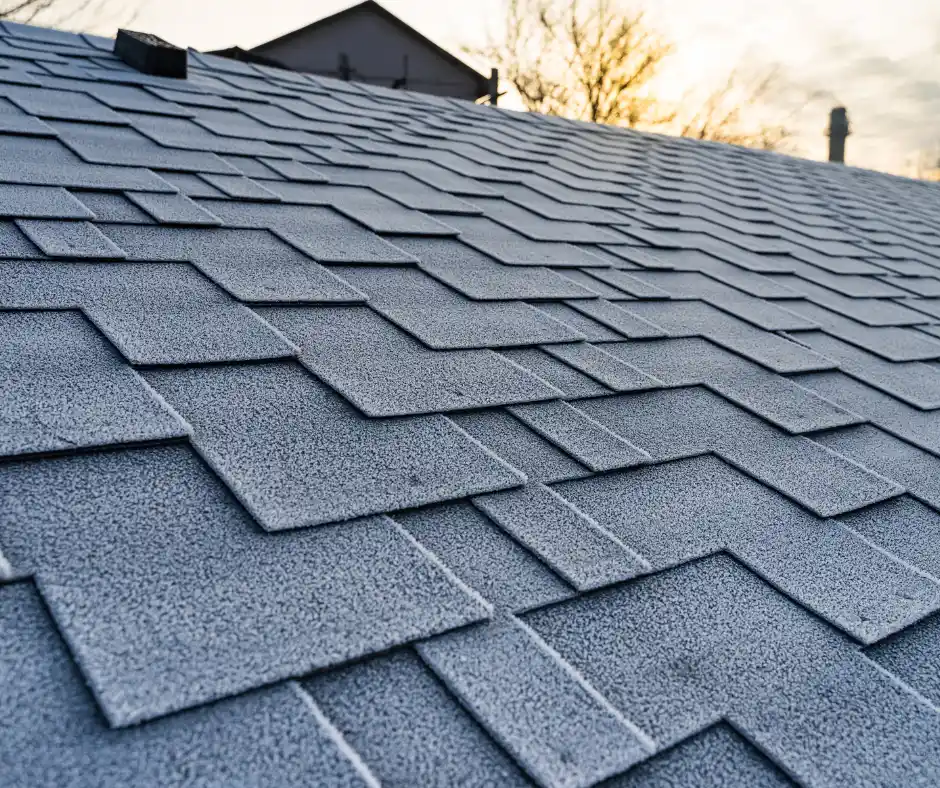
879 58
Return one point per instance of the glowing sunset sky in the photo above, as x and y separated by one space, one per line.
881 58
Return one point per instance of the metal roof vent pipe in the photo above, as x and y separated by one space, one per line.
837 132
150 55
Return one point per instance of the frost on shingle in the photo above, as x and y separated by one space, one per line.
126 146
481 278
408 728
55 735
170 556
596 362
65 387
511 248
173 209
536 708
445 320
154 313
912 382
677 650
79 240
321 232
684 422
386 372
297 454
718 757
572 383
253 265
47 162
920 427
516 443
678 511
696 318
40 202
692 361
569 541
484 557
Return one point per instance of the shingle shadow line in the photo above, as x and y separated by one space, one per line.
104 447
723 721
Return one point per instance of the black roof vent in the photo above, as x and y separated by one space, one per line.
150 54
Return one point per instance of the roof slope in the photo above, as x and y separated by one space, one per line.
353 437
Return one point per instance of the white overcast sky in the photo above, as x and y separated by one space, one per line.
881 58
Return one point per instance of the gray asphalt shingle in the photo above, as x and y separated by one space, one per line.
385 372
171 556
445 320
296 454
56 736
539 452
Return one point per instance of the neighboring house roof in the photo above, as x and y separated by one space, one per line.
372 7
353 436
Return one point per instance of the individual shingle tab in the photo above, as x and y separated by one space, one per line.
620 319
912 656
524 449
371 209
696 318
154 313
445 320
385 372
917 470
569 381
47 162
240 187
678 511
919 427
253 265
555 725
851 724
40 202
112 207
903 527
891 343
173 209
511 248
683 422
64 387
70 239
296 454
870 311
398 716
587 441
55 734
637 644
912 382
692 361
105 145
718 757
322 233
170 556
609 370
569 541
62 104
482 278
505 574
593 330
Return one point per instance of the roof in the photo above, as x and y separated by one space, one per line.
354 437
372 7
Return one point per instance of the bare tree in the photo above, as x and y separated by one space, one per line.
722 115
598 60
583 60
84 15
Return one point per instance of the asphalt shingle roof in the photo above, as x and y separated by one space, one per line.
357 437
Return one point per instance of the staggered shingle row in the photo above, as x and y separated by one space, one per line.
359 437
